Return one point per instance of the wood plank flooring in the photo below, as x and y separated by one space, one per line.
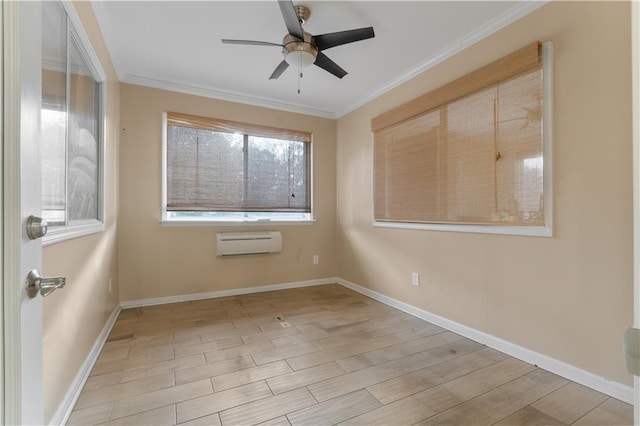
321 355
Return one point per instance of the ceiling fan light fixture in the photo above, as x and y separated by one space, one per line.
299 58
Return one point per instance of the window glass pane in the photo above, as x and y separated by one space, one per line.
82 138
276 175
54 113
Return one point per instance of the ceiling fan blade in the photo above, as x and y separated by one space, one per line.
327 41
291 18
327 64
250 42
279 70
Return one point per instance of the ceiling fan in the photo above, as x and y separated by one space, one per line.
302 49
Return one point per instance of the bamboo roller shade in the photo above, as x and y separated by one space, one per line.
522 60
467 153
218 125
220 171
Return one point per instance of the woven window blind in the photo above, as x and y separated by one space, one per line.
223 166
472 156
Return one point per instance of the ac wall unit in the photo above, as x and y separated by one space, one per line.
239 243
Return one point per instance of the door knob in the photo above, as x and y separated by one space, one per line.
44 285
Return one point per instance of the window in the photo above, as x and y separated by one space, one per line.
71 130
222 171
469 156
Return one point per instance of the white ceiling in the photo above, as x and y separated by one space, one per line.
176 45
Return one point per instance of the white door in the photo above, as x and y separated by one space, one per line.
23 401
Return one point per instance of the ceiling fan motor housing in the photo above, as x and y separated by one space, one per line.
299 53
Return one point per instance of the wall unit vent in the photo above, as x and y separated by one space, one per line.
241 243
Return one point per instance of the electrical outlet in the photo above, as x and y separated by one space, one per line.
316 259
415 279
110 288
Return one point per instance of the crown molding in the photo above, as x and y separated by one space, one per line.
227 96
471 38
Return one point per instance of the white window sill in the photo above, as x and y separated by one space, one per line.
255 222
58 235
532 231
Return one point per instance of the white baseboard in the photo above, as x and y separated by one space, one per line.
578 375
223 293
63 412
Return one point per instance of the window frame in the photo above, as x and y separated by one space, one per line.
83 228
166 220
547 169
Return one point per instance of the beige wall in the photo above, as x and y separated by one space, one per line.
74 317
159 261
568 297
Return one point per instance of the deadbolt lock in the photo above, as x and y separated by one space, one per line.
36 227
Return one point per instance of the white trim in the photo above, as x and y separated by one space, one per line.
87 46
165 141
224 293
635 94
531 231
65 408
547 134
225 95
57 235
578 375
102 155
312 183
501 21
2 282
239 223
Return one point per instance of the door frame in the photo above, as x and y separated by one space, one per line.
2 259
635 122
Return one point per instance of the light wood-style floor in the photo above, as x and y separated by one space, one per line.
317 356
